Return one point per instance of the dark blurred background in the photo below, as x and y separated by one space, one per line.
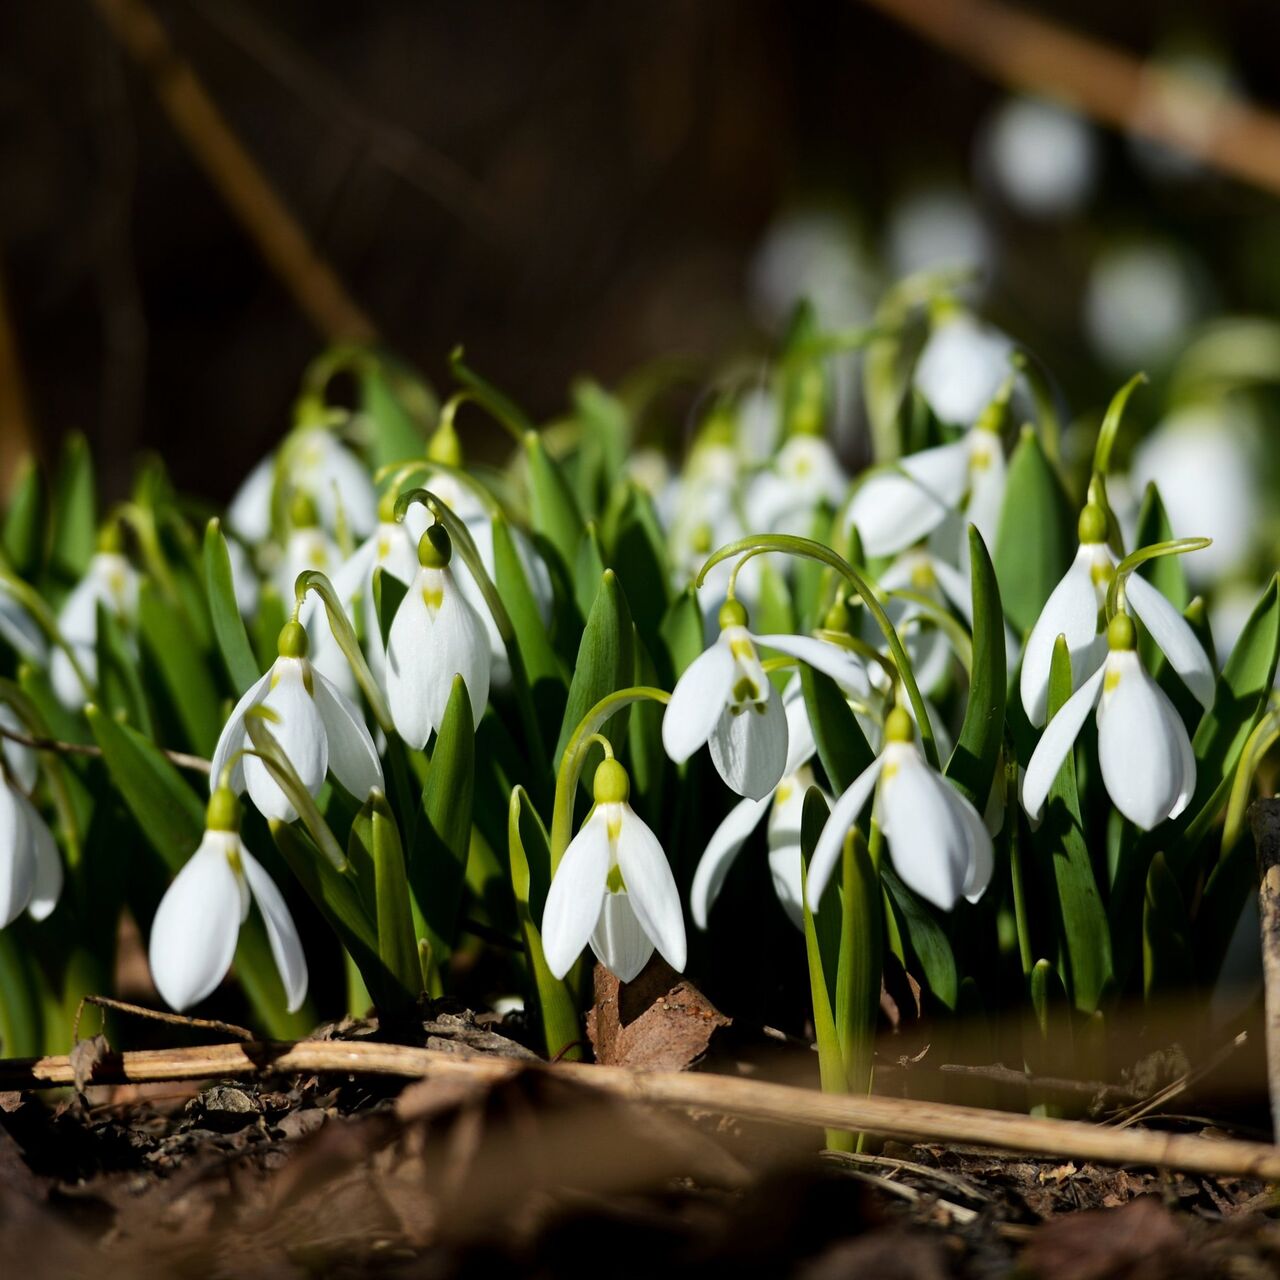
562 186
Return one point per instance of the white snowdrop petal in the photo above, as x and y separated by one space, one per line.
67 685
21 761
697 702
718 857
78 617
282 933
1071 611
352 756
928 834
980 857
17 856
232 737
840 664
1057 740
619 940
193 935
1177 733
576 895
843 816
459 646
986 495
749 747
800 744
408 676
1142 766
19 629
650 884
942 470
346 482
46 886
956 587
299 731
249 513
891 511
1174 638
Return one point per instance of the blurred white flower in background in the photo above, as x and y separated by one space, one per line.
962 366
937 228
1042 156
1204 460
1139 302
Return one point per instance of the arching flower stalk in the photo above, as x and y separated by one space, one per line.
613 889
318 730
196 926
1148 767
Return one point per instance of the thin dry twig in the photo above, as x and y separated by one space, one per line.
280 238
1264 820
156 1015
1031 53
184 761
1132 1115
702 1091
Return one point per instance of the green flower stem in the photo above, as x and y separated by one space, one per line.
1264 736
465 544
1046 407
574 757
344 633
1176 547
1111 424
401 473
142 521
807 548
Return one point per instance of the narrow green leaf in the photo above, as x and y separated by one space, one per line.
636 543
552 506
23 532
1035 540
858 970
1086 935
1050 1045
119 683
396 944
388 592
924 935
532 634
606 661
267 622
228 624
842 746
399 407
1167 963
1165 573
530 854
183 670
683 634
75 521
442 835
972 766
588 567
21 1023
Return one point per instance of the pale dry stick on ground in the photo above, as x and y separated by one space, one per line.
698 1091
1264 820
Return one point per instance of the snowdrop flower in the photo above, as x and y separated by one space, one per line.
892 509
244 579
614 889
929 647
1139 302
940 845
110 580
315 463
1042 155
435 635
1148 767
1205 462
779 803
393 549
1074 610
805 473
468 507
726 700
961 367
19 759
194 933
318 730
30 868
19 629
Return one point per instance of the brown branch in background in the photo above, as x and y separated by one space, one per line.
241 183
15 424
1033 54
184 761
700 1091
1264 820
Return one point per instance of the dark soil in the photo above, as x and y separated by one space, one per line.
344 1176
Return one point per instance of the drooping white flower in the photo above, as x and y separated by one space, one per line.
613 889
892 509
783 497
19 759
780 804
19 629
110 580
197 924
244 578
928 646
317 728
1075 610
940 845
1148 767
961 367
1140 301
467 506
313 462
30 867
435 635
1043 156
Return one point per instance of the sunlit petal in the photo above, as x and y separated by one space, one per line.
749 747
619 940
722 849
647 876
843 816
1174 638
697 702
1056 742
576 895
282 934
